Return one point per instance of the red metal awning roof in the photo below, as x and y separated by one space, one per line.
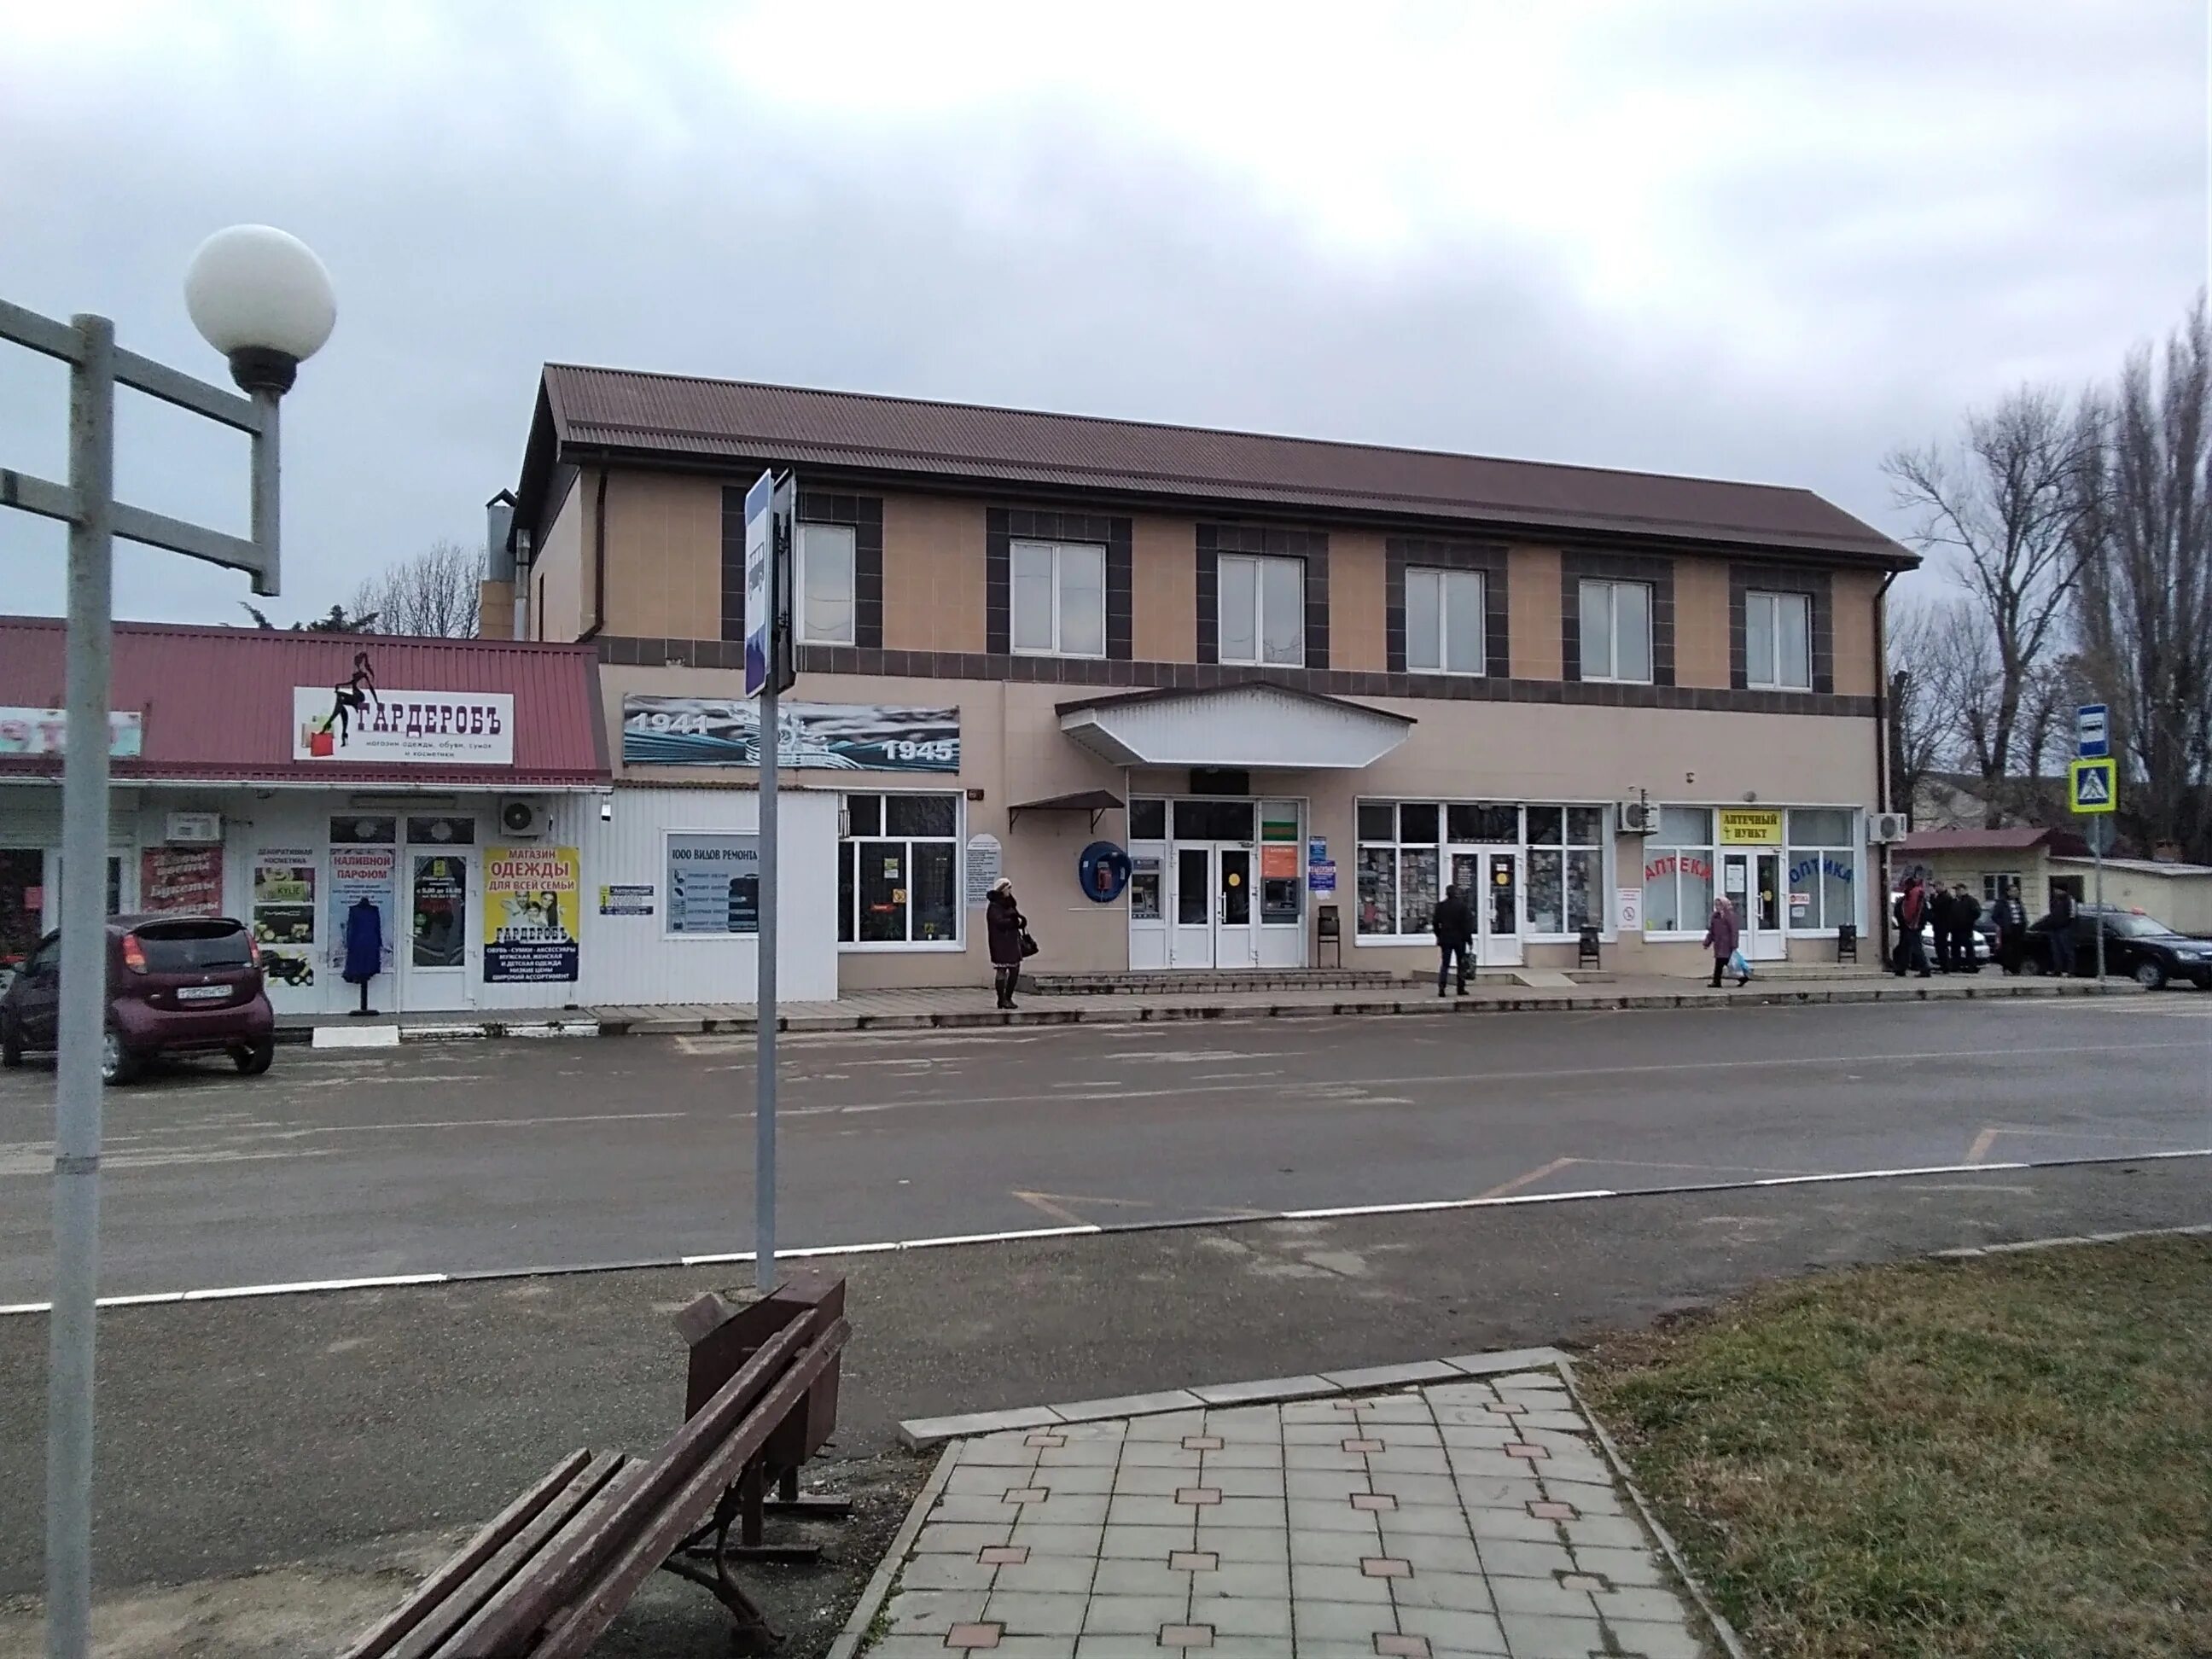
216 702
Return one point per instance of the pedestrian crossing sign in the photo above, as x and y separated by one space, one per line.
2092 785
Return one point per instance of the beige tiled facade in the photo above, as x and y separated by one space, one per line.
1357 614
1523 737
933 589
1701 623
1164 584
1532 596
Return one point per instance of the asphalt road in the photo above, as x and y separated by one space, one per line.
523 1155
340 1429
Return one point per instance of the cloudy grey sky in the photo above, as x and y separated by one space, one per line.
1727 237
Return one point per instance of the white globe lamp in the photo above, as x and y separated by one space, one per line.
262 299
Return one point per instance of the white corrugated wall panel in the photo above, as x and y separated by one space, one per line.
634 959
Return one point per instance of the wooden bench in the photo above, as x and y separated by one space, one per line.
556 1567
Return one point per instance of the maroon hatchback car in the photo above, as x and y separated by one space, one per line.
176 985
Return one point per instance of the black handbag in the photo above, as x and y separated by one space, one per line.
1029 944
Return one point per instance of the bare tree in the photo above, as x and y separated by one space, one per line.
2145 608
2003 506
433 593
1922 732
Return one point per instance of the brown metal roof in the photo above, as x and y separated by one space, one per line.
587 413
217 701
2018 838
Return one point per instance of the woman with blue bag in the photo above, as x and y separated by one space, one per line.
1722 939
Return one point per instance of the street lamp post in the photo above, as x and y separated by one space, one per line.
264 302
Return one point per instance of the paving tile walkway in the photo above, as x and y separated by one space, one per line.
1461 1518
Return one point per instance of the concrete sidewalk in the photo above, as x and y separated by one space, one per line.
968 1007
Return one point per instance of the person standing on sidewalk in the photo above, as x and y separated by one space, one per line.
1721 937
1965 911
1941 922
2062 932
1007 929
1454 927
2011 917
1911 913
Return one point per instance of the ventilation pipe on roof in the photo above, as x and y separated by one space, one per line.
499 528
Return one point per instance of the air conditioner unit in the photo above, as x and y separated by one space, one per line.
1887 827
521 820
1638 817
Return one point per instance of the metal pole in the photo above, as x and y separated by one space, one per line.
771 739
266 466
84 994
2097 845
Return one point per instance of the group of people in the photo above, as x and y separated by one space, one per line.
1924 909
1920 907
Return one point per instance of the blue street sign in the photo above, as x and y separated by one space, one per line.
2093 731
760 620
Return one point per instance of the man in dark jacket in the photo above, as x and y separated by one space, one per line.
2062 933
1454 928
1939 925
1965 911
2011 917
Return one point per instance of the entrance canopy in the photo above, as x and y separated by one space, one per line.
1253 725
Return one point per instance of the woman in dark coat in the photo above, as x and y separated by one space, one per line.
1005 924
1721 936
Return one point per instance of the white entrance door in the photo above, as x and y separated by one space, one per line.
1751 882
440 927
1491 883
1212 903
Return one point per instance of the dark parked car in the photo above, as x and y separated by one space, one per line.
2137 946
176 985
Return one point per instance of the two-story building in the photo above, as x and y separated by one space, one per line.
1210 698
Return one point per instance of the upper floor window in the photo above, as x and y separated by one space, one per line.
1263 611
1443 622
1777 641
825 581
1059 599
1617 631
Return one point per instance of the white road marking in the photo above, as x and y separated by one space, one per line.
1336 1212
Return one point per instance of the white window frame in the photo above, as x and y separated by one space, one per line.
1445 846
1794 852
1767 676
1444 580
801 631
1058 550
957 841
1602 888
1260 563
1659 847
1612 586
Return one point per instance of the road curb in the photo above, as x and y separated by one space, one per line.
1779 995
921 1433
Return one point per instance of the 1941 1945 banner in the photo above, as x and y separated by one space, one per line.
533 930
